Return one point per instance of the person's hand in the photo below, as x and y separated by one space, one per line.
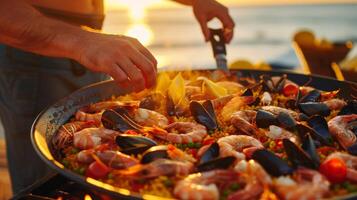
206 10
125 59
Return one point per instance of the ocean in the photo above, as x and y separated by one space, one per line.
262 33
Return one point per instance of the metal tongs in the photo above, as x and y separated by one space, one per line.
219 48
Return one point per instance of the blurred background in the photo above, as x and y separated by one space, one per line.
264 28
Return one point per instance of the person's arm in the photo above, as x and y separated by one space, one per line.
23 27
205 10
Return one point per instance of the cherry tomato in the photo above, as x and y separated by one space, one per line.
334 169
290 89
208 141
97 170
193 152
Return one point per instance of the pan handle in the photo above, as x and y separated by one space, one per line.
219 48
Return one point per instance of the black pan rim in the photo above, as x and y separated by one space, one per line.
82 180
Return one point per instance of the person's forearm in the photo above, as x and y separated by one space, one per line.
23 27
185 2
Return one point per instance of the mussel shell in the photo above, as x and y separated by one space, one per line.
286 120
153 101
211 153
303 130
247 92
308 145
297 156
201 115
154 153
281 83
170 106
115 121
350 108
134 144
319 124
218 163
264 119
312 96
272 164
352 149
267 83
208 105
314 108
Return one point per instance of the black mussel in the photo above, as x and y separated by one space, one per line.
297 156
352 149
267 83
247 92
154 153
201 115
319 124
303 117
303 130
264 119
154 101
211 153
170 106
209 108
274 165
217 163
350 108
281 83
312 96
314 108
255 102
134 144
309 146
286 120
291 103
119 122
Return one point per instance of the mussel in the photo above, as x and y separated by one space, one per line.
118 122
314 108
134 144
264 119
312 96
154 153
308 145
319 124
247 92
286 120
297 156
274 165
154 101
217 163
350 108
203 116
211 153
352 149
304 129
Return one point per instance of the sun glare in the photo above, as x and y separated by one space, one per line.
141 32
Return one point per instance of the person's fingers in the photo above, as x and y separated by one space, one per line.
146 52
136 78
202 20
119 76
147 68
228 25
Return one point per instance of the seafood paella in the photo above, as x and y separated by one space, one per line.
211 135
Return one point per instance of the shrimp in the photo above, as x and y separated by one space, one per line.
81 115
242 121
147 117
255 177
159 167
351 163
266 99
235 104
276 132
91 137
341 127
113 159
305 184
238 146
64 136
203 185
187 132
335 104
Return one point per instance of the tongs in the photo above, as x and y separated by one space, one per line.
219 48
